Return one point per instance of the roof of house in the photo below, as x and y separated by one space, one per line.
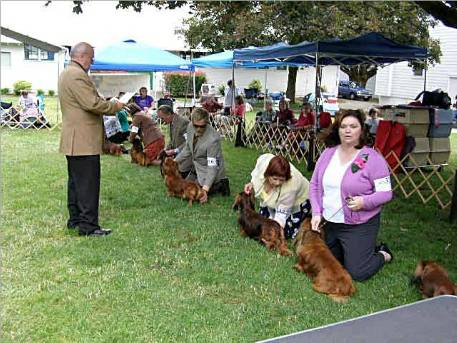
29 40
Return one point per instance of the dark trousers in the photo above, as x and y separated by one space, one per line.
119 137
354 247
83 192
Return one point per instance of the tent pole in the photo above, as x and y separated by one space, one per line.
425 75
316 90
234 86
266 90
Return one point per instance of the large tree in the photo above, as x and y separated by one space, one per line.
219 25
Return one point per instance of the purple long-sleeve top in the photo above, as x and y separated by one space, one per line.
371 182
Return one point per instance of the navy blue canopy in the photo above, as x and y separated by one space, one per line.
225 60
370 48
132 56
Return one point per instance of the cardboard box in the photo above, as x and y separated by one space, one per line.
440 150
417 130
420 153
410 115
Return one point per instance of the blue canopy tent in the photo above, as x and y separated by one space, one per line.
368 49
225 60
130 55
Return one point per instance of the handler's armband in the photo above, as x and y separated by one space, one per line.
382 184
212 162
134 129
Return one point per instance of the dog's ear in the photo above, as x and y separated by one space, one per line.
236 204
252 200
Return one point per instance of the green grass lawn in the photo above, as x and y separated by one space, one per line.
169 272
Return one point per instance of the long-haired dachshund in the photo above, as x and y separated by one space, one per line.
433 280
137 154
316 260
111 148
176 185
254 225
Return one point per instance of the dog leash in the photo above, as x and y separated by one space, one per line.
325 221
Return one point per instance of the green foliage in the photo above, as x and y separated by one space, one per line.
40 91
180 84
221 89
20 85
5 91
170 273
214 25
256 84
51 92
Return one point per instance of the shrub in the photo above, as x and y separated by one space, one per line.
21 85
40 91
256 84
221 89
51 92
181 83
5 91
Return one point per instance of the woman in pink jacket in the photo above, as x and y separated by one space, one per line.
350 184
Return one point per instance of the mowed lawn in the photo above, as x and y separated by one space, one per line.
168 272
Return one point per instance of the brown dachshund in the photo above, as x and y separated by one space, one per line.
176 185
433 279
137 154
317 261
255 226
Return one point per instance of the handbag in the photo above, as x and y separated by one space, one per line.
436 98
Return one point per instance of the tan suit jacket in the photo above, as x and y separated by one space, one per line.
82 113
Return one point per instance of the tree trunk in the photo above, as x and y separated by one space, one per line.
360 74
291 82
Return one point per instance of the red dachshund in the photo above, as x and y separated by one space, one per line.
433 279
255 226
317 261
137 154
176 185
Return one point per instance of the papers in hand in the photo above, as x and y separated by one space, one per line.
126 97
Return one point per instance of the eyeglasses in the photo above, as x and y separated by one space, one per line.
199 126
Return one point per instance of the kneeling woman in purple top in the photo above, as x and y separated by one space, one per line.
350 184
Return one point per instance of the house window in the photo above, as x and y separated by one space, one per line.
33 53
6 59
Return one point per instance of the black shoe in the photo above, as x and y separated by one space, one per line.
225 187
96 232
384 247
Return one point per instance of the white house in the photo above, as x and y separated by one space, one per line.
399 83
29 59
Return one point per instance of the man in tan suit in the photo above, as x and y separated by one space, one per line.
203 150
178 133
82 139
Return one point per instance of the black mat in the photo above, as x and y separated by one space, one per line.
428 321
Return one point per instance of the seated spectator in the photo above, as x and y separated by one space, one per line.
285 116
269 115
144 100
297 134
210 104
117 127
166 100
28 109
204 152
372 121
306 119
150 134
